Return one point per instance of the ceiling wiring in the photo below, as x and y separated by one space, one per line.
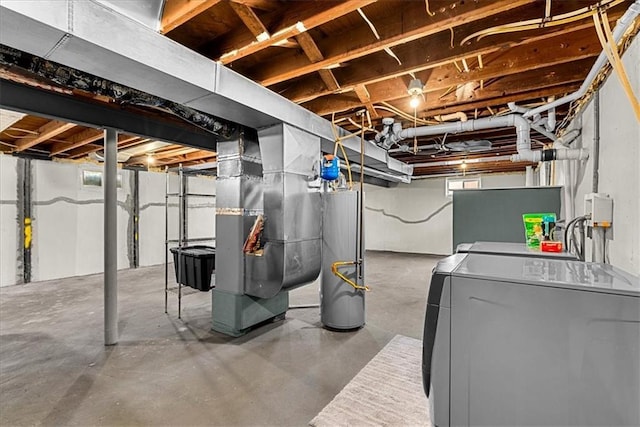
544 22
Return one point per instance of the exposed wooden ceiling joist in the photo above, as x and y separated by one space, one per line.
365 98
177 12
44 133
377 67
412 24
313 53
532 56
75 141
268 5
251 20
123 140
189 157
298 18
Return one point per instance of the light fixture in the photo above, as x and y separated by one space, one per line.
463 165
150 159
415 90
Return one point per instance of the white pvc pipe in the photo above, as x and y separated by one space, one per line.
528 177
543 131
627 19
550 125
516 108
393 134
571 154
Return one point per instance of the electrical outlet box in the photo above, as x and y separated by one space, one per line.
599 208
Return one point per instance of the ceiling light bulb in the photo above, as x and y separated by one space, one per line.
415 101
463 165
150 159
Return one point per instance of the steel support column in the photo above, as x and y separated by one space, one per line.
110 237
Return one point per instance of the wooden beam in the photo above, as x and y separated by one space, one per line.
360 72
531 56
524 96
268 5
78 140
177 12
310 49
472 168
196 155
251 20
197 162
175 150
415 60
298 18
402 25
127 141
329 80
124 141
394 90
44 133
364 97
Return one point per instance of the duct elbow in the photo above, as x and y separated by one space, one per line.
550 124
565 140
516 109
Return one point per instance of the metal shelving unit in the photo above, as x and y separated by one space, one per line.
183 240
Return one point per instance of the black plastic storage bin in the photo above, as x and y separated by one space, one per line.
198 263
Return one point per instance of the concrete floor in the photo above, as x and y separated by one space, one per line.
54 369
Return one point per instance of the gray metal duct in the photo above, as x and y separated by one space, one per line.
91 37
146 12
239 200
292 213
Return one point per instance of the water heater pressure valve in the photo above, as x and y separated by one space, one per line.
330 167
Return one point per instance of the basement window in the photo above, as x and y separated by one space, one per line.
94 179
461 184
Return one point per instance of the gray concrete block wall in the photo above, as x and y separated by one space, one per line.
9 231
619 174
68 219
415 202
151 225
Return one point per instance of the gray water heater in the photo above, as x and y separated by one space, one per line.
341 305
